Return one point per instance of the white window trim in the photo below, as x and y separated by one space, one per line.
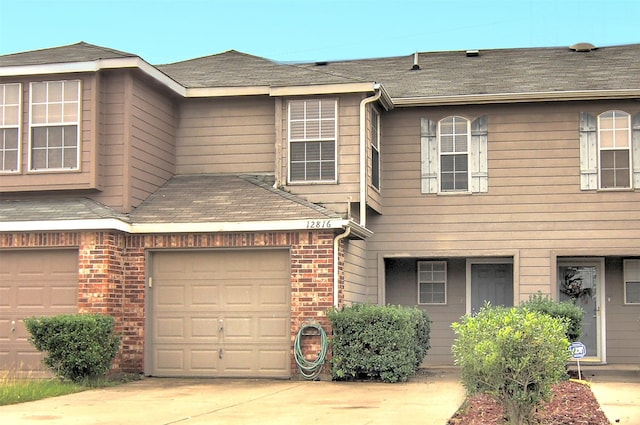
629 149
375 145
627 266
467 152
3 125
291 140
444 263
63 123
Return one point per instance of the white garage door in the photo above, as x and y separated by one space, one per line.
219 313
33 283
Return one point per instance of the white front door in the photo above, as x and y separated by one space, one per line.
582 282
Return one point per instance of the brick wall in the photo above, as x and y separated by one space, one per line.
111 275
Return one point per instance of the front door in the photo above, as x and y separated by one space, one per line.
491 283
581 282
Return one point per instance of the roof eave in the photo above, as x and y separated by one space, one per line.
93 66
478 99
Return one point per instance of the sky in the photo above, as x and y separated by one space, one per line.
165 31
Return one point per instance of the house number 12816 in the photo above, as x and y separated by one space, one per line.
318 224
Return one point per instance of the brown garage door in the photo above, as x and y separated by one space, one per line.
33 283
219 313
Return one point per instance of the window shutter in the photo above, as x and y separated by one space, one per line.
635 147
478 156
588 152
429 156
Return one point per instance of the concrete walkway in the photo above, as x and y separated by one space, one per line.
617 389
431 398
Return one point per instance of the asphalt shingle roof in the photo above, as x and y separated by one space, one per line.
79 52
56 209
224 199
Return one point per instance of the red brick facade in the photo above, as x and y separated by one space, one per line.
111 274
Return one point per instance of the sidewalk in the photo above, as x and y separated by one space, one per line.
617 389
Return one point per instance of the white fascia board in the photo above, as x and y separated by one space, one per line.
65 225
94 66
115 224
323 89
226 91
516 97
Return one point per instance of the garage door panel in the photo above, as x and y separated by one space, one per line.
33 283
234 315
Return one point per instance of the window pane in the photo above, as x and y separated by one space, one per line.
54 137
446 163
461 163
446 126
54 158
461 143
632 292
297 130
297 171
54 91
446 144
313 151
312 110
71 91
313 171
39 114
312 130
70 158
11 115
622 138
328 170
298 151
39 92
39 137
328 129
70 112
328 109
70 136
38 159
606 139
296 110
614 169
328 150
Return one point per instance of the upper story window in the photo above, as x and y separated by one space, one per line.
631 281
10 101
54 125
454 155
375 148
607 146
313 140
453 143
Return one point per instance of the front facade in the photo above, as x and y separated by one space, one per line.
213 212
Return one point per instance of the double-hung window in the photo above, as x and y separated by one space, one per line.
609 151
454 155
54 125
312 140
375 148
432 282
10 96
453 135
631 281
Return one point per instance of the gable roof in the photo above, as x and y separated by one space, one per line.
79 52
237 69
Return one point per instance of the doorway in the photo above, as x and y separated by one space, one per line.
582 282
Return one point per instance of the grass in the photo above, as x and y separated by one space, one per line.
20 388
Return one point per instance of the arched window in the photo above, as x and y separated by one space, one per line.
614 149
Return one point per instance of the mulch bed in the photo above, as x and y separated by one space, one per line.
572 403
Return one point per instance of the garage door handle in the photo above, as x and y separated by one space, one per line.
220 353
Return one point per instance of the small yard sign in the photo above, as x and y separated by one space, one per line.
578 350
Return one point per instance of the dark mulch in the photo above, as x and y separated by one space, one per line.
572 403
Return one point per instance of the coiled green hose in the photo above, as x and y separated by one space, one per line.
310 370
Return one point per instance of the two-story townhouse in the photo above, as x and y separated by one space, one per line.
213 206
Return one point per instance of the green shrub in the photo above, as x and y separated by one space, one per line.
76 346
566 310
513 354
378 342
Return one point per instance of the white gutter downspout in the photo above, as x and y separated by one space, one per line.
363 152
336 258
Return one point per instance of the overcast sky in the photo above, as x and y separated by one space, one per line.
163 31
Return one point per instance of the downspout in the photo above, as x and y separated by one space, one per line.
336 258
363 152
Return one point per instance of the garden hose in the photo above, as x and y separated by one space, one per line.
310 370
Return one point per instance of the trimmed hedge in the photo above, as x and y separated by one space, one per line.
76 346
385 343
565 310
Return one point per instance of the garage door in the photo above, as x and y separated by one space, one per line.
33 283
219 314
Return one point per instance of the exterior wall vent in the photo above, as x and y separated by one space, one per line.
583 47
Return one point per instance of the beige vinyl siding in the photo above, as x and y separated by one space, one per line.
153 123
333 195
623 321
533 212
226 135
85 177
356 285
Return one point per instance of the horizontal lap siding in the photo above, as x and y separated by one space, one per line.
153 126
533 211
356 285
229 135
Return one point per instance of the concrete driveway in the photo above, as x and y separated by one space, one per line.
430 398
